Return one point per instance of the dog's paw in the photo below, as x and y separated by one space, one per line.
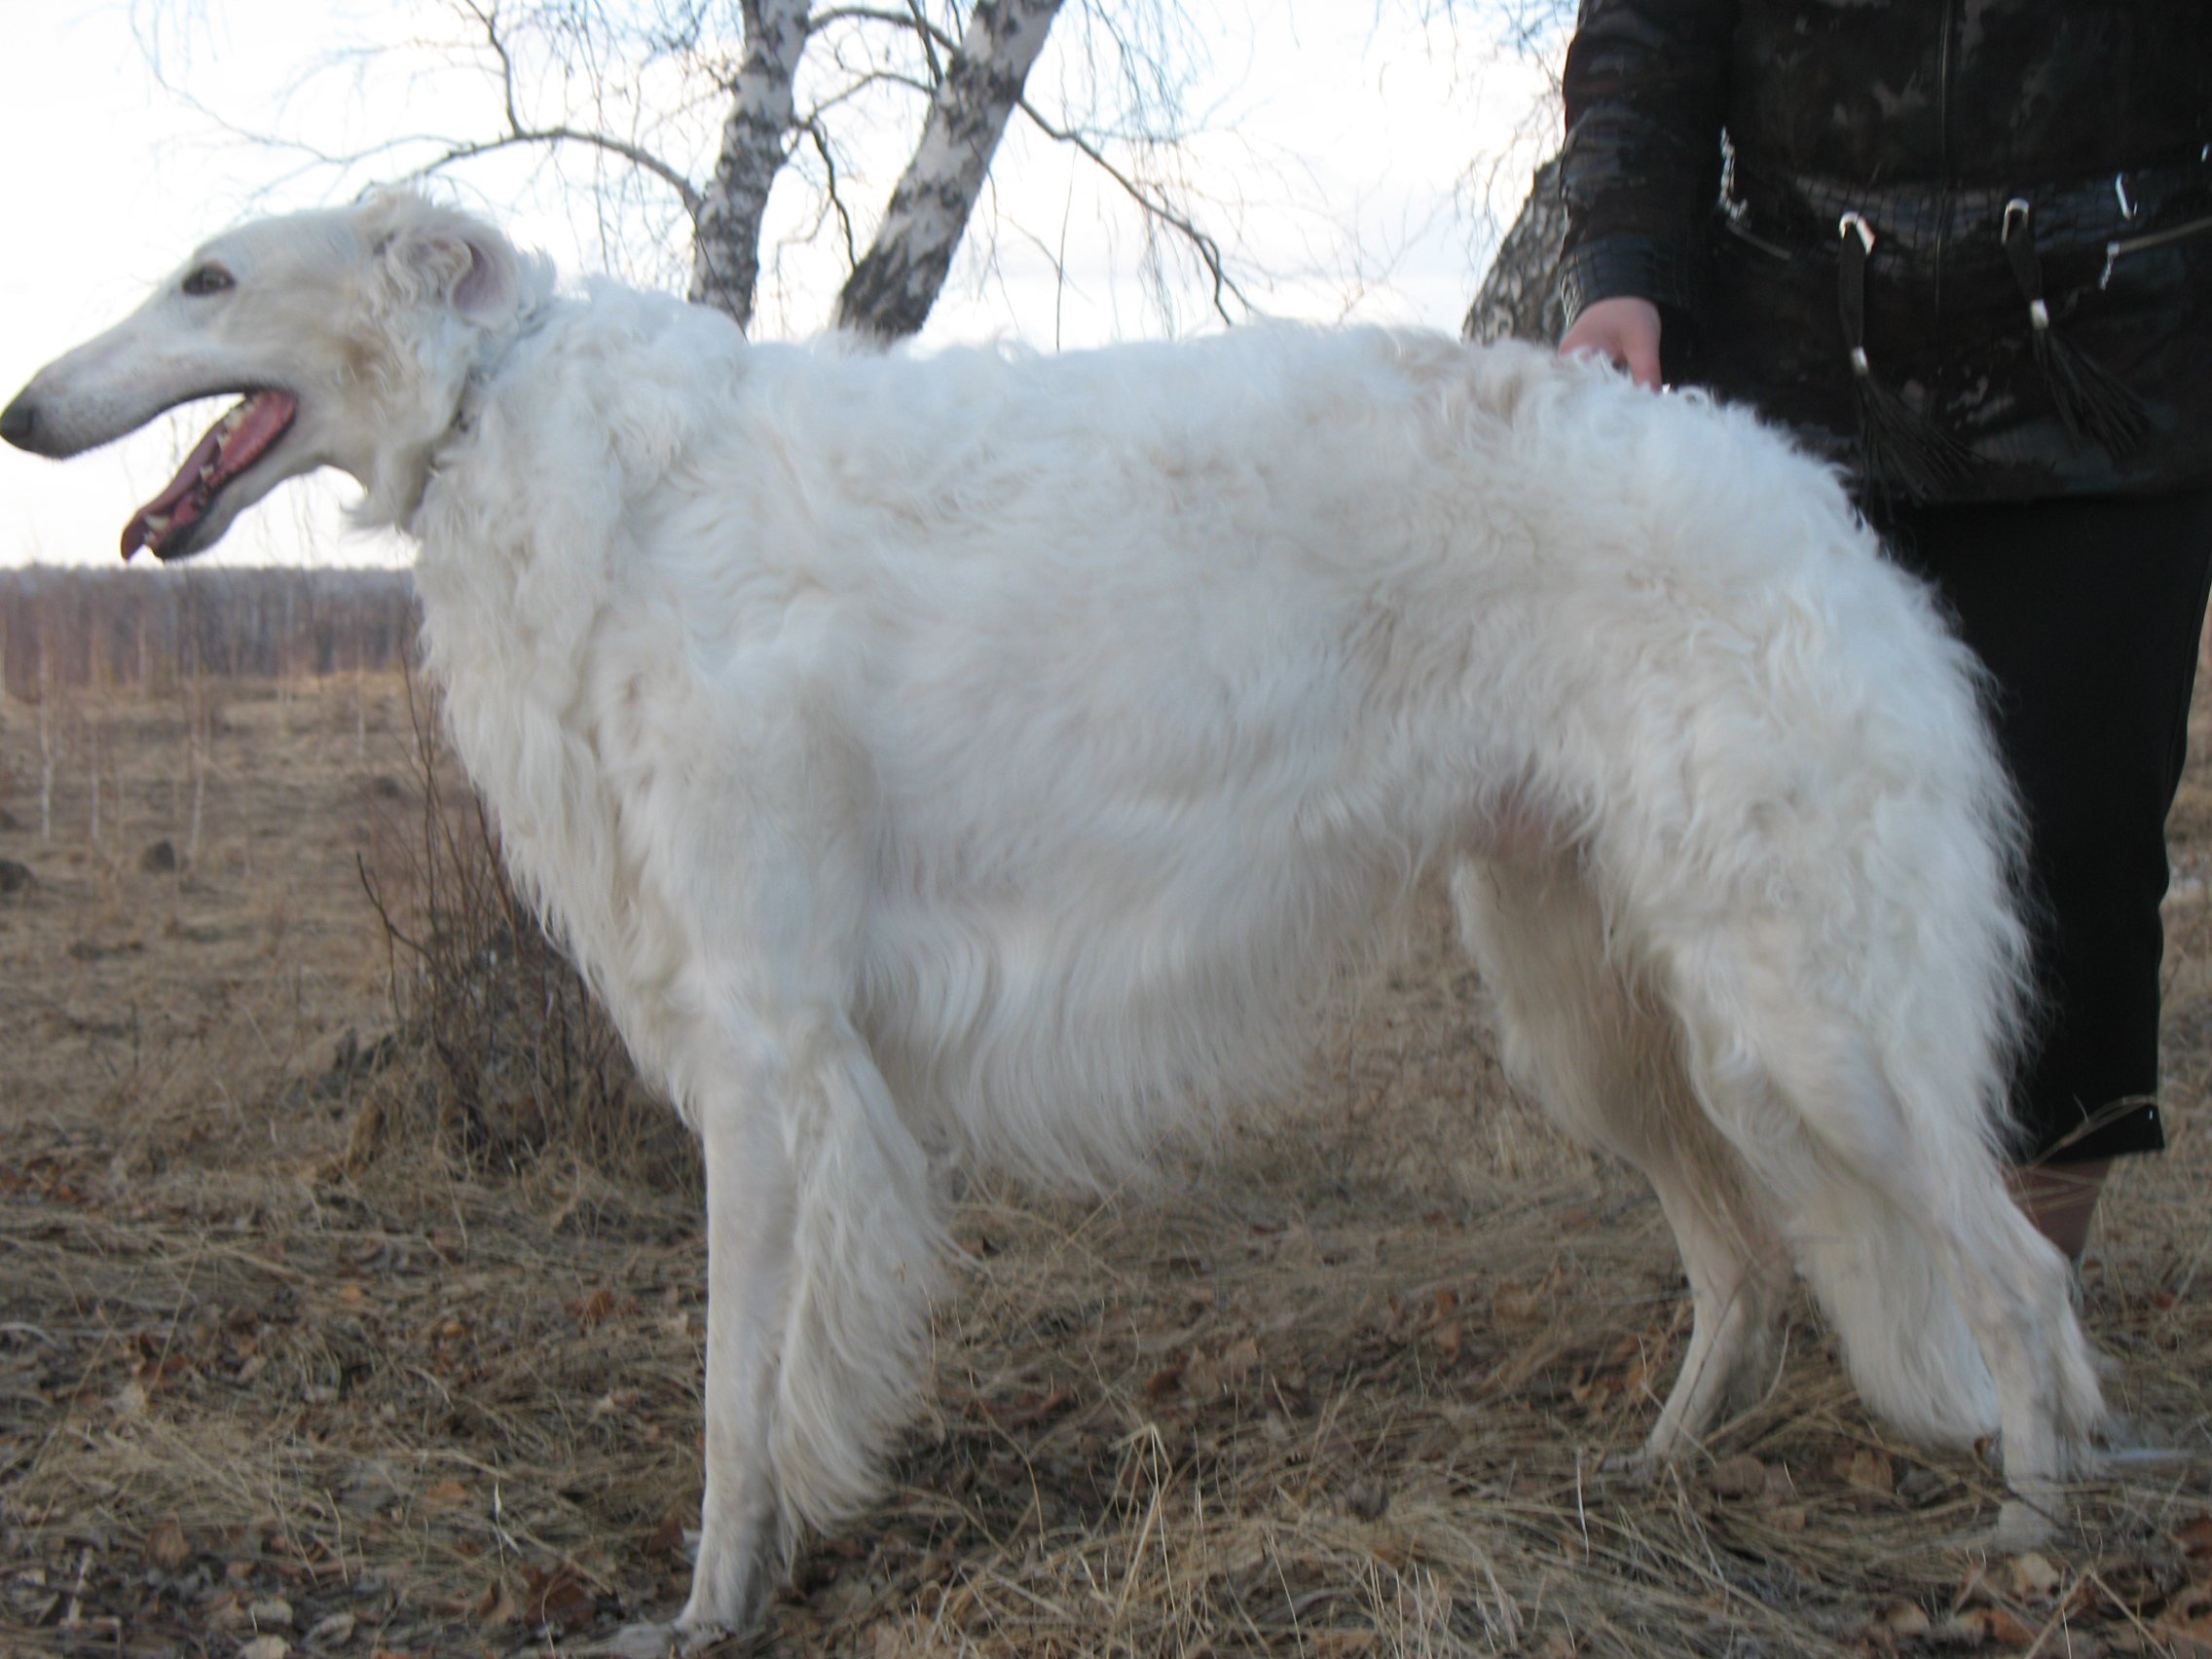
2021 1525
638 1641
1636 1468
730 1584
657 1641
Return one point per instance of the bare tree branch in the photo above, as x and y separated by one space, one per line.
686 191
1156 207
930 42
911 20
831 195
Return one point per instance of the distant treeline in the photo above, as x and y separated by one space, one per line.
76 629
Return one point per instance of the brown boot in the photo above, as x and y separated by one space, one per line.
2060 1199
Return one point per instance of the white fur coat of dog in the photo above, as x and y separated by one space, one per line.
998 753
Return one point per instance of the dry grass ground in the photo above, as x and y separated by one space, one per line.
297 1355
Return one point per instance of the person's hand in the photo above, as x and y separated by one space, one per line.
1625 332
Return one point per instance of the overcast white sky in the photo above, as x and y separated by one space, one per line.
1348 153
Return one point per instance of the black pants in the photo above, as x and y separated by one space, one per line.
2088 612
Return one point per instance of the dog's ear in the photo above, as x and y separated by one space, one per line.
470 267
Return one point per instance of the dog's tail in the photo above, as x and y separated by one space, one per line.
1871 978
1901 1310
1953 1312
1905 1340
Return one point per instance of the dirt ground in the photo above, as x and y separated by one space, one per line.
285 1369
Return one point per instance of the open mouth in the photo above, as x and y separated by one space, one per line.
162 525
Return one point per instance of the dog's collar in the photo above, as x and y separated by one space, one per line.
481 374
487 369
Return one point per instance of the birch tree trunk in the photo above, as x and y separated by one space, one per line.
726 246
1519 296
891 290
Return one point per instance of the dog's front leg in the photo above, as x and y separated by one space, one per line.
750 1209
822 1247
749 1264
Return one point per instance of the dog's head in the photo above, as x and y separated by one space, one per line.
349 335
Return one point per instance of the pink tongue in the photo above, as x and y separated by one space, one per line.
217 458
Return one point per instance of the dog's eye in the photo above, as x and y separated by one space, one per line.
207 279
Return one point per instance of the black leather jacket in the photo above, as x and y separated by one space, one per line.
2004 205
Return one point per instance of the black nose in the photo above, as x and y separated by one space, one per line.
16 422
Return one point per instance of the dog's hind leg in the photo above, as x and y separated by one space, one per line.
1608 1065
1740 1272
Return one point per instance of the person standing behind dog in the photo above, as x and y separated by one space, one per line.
1965 252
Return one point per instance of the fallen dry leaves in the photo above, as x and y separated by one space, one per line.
273 1379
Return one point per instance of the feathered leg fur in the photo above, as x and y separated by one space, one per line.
1601 1056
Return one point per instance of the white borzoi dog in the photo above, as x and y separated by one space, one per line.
996 754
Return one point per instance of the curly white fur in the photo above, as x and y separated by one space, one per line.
999 753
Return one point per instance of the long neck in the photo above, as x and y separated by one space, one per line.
437 396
